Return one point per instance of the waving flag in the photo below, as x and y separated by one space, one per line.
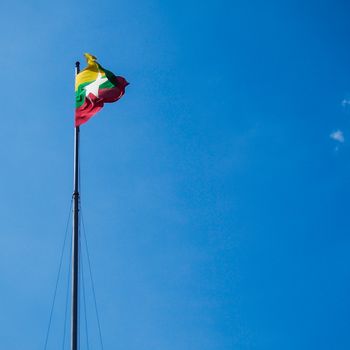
94 86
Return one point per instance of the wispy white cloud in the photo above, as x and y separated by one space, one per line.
337 136
345 102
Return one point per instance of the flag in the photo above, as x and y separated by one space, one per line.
94 86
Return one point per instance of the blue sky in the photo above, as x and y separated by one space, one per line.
215 193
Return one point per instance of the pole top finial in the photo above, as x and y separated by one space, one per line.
77 64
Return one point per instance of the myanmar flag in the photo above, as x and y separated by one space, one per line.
93 87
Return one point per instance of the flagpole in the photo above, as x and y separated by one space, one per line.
75 238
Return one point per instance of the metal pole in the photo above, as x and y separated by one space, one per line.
75 238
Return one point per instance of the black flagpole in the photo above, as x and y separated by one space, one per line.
75 239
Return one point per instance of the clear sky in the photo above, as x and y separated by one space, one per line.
215 193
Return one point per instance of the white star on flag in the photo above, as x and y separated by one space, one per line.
95 85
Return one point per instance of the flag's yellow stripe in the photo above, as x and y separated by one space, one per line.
90 73
87 75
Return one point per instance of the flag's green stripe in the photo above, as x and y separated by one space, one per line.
80 94
79 97
107 85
